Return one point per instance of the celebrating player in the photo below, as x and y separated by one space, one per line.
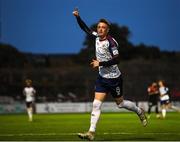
109 79
29 93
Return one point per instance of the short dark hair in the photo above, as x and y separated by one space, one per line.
28 81
105 21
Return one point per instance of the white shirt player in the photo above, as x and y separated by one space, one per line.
105 51
29 92
164 93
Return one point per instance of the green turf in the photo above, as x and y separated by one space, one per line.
111 127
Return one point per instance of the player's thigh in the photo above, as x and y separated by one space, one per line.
28 105
163 106
168 106
116 88
100 96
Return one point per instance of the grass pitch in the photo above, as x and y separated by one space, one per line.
111 127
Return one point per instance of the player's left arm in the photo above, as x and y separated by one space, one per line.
34 91
113 61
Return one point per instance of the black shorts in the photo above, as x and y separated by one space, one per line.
153 99
165 102
113 86
29 104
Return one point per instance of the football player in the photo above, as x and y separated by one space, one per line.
29 93
109 79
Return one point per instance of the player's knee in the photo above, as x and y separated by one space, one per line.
119 101
121 104
97 105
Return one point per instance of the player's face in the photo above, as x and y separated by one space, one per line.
28 84
102 30
160 83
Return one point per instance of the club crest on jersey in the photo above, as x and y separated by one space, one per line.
115 52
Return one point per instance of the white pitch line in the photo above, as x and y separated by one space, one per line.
71 134
45 134
147 133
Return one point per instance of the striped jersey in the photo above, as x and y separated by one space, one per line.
105 51
164 93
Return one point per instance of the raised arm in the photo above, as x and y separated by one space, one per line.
82 24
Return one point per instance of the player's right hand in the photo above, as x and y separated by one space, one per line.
76 12
94 63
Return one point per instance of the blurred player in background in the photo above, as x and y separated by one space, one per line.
29 93
165 99
153 98
109 79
